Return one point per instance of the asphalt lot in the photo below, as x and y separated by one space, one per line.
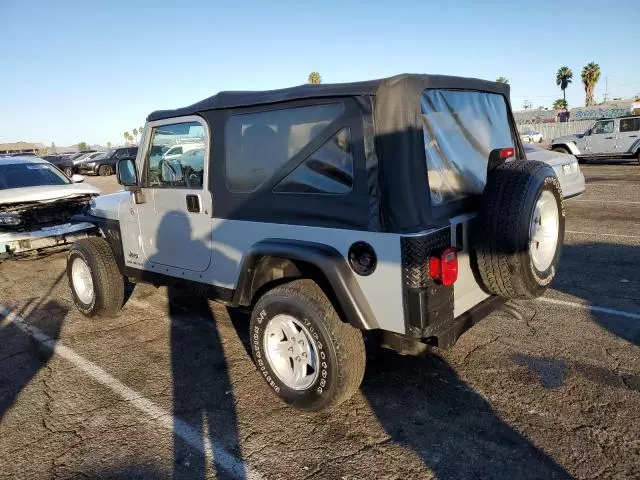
168 388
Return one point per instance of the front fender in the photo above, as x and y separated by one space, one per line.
572 147
328 260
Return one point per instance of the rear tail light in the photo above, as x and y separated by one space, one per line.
444 269
507 153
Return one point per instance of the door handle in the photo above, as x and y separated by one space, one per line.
608 138
193 203
633 136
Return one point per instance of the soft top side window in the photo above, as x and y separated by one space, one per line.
258 144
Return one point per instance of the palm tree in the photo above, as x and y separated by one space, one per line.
560 104
315 78
590 76
126 137
135 134
563 79
502 80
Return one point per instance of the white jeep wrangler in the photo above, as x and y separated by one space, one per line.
404 206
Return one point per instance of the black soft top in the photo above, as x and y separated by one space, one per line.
396 86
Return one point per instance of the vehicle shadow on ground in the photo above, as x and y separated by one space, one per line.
21 357
423 404
197 363
604 275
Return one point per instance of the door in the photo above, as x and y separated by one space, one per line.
175 216
602 139
628 134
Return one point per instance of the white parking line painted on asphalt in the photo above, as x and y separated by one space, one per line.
617 185
604 201
603 234
592 308
225 460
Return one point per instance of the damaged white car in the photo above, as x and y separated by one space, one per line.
37 202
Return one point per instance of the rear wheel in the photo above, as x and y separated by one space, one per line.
105 170
68 171
97 286
520 229
308 356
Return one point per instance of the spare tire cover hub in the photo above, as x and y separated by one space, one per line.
545 223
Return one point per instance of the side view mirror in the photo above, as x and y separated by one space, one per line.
126 172
75 178
587 133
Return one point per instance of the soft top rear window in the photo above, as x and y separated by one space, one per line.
461 128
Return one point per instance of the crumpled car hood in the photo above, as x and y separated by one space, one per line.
45 194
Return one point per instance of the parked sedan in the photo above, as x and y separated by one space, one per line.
531 136
105 164
63 162
37 202
566 168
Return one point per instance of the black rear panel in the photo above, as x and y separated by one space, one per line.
428 306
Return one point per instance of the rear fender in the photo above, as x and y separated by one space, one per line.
291 258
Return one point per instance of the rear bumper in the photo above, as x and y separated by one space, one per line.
21 242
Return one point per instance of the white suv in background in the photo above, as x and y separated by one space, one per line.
607 138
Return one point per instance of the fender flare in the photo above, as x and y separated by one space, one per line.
110 231
328 260
573 149
635 147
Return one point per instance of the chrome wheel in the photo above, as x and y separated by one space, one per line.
291 352
82 281
543 232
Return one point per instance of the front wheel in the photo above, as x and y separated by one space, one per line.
97 286
68 171
307 355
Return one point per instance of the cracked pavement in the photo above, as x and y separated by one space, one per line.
554 396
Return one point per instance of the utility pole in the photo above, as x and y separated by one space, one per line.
606 89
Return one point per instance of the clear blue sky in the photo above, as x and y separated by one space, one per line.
87 71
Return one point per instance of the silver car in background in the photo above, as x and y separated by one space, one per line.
565 165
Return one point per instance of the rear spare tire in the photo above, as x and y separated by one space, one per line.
520 229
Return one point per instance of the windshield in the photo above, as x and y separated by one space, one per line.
20 175
104 155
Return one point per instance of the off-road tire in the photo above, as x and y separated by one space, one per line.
108 282
68 171
503 229
105 170
638 156
343 365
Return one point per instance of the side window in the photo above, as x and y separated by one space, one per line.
605 126
327 170
258 144
167 166
629 125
